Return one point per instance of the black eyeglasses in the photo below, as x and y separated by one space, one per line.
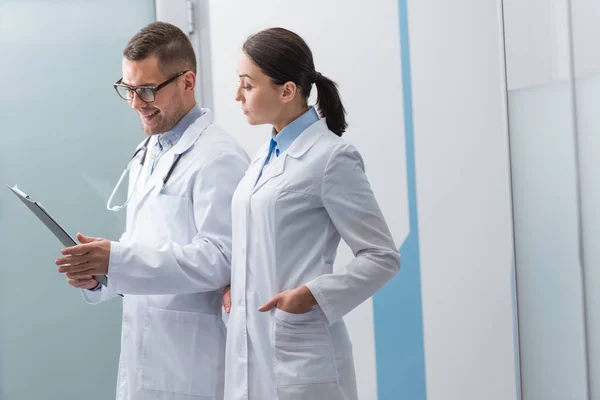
146 94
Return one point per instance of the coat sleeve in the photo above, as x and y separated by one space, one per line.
97 296
201 266
352 208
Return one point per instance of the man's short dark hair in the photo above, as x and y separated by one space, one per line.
168 43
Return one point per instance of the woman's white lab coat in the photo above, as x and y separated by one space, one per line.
171 265
286 231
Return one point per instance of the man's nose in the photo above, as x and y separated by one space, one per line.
135 102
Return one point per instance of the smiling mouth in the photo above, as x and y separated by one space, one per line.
149 115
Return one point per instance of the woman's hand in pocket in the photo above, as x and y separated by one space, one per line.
294 301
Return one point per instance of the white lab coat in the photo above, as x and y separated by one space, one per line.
286 231
171 265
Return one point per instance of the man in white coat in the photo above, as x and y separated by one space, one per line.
173 260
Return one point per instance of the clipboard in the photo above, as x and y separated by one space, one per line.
47 219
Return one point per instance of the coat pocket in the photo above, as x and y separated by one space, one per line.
179 352
303 349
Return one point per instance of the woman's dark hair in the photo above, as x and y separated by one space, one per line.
285 57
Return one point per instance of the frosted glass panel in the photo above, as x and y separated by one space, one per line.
551 324
546 207
586 31
65 138
588 118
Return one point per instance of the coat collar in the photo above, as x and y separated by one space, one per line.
297 149
307 139
190 136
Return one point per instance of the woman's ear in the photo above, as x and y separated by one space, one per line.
289 90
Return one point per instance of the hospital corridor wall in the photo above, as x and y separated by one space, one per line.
447 102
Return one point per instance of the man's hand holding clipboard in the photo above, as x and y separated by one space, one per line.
85 264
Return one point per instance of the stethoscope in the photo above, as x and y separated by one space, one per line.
144 151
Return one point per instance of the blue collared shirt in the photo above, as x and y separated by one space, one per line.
170 138
281 141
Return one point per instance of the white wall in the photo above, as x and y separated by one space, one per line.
537 42
586 31
538 45
461 162
463 197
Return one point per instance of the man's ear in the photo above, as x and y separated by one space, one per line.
189 80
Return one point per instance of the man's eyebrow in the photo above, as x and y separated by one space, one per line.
142 85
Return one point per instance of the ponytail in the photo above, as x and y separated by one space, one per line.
284 56
330 104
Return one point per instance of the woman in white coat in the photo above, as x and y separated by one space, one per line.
305 189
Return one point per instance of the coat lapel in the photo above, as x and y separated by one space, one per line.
154 180
275 168
255 166
300 146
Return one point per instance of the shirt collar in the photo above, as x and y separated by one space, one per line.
286 137
171 137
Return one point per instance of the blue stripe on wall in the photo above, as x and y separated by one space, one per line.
397 307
